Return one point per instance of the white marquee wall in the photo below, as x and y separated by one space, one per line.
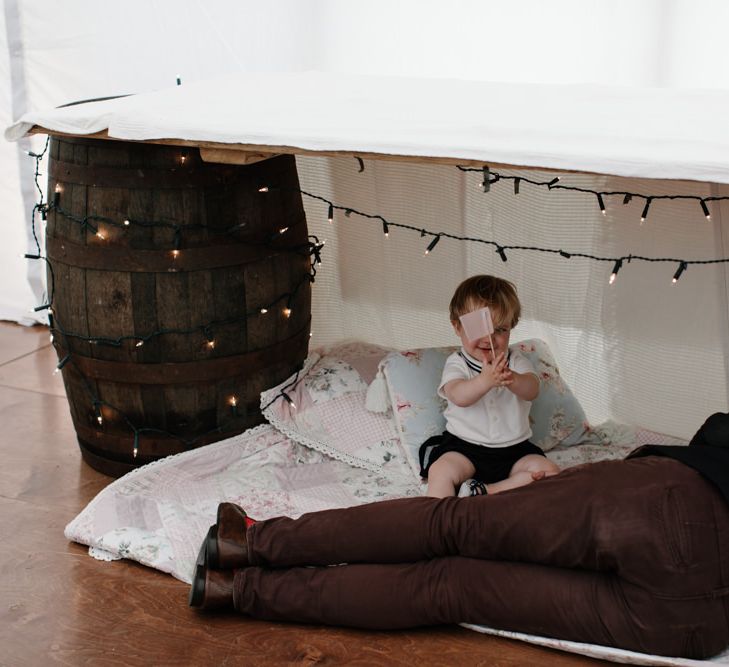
84 49
642 351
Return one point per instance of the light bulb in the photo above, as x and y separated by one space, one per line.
432 244
616 268
681 268
288 399
644 215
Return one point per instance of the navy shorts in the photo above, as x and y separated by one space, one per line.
492 463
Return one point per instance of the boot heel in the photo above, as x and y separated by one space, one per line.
211 547
197 589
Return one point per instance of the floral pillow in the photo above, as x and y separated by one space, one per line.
323 407
413 377
556 416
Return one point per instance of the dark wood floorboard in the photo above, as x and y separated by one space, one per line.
58 606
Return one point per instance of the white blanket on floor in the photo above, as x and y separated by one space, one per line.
159 514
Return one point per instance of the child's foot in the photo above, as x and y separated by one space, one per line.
472 487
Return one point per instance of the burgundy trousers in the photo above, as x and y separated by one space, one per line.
631 554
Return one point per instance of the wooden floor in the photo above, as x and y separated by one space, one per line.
60 606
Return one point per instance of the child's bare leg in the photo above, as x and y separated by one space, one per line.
526 470
447 474
535 463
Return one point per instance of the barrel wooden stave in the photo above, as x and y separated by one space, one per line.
109 303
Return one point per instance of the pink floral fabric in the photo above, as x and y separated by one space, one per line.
327 410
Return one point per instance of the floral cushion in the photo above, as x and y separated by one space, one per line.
413 377
327 409
556 416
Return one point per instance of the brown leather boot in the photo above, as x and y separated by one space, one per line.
211 589
227 548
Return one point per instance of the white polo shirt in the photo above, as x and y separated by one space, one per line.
497 419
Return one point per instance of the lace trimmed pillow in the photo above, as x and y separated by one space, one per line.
325 408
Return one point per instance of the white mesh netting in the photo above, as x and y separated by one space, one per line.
642 351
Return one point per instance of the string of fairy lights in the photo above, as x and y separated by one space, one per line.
488 178
100 225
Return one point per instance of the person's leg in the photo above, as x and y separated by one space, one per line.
526 470
604 517
535 463
652 526
446 474
524 597
404 595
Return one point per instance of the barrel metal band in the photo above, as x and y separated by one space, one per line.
288 351
122 258
143 177
113 447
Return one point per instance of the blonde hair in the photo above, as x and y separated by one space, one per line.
496 293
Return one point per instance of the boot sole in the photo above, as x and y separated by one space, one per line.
211 545
197 588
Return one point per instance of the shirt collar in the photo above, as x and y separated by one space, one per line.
473 363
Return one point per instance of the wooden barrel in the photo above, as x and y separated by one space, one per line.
176 296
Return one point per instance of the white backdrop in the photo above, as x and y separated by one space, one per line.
89 49
643 351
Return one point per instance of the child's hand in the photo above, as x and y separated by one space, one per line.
497 373
502 372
